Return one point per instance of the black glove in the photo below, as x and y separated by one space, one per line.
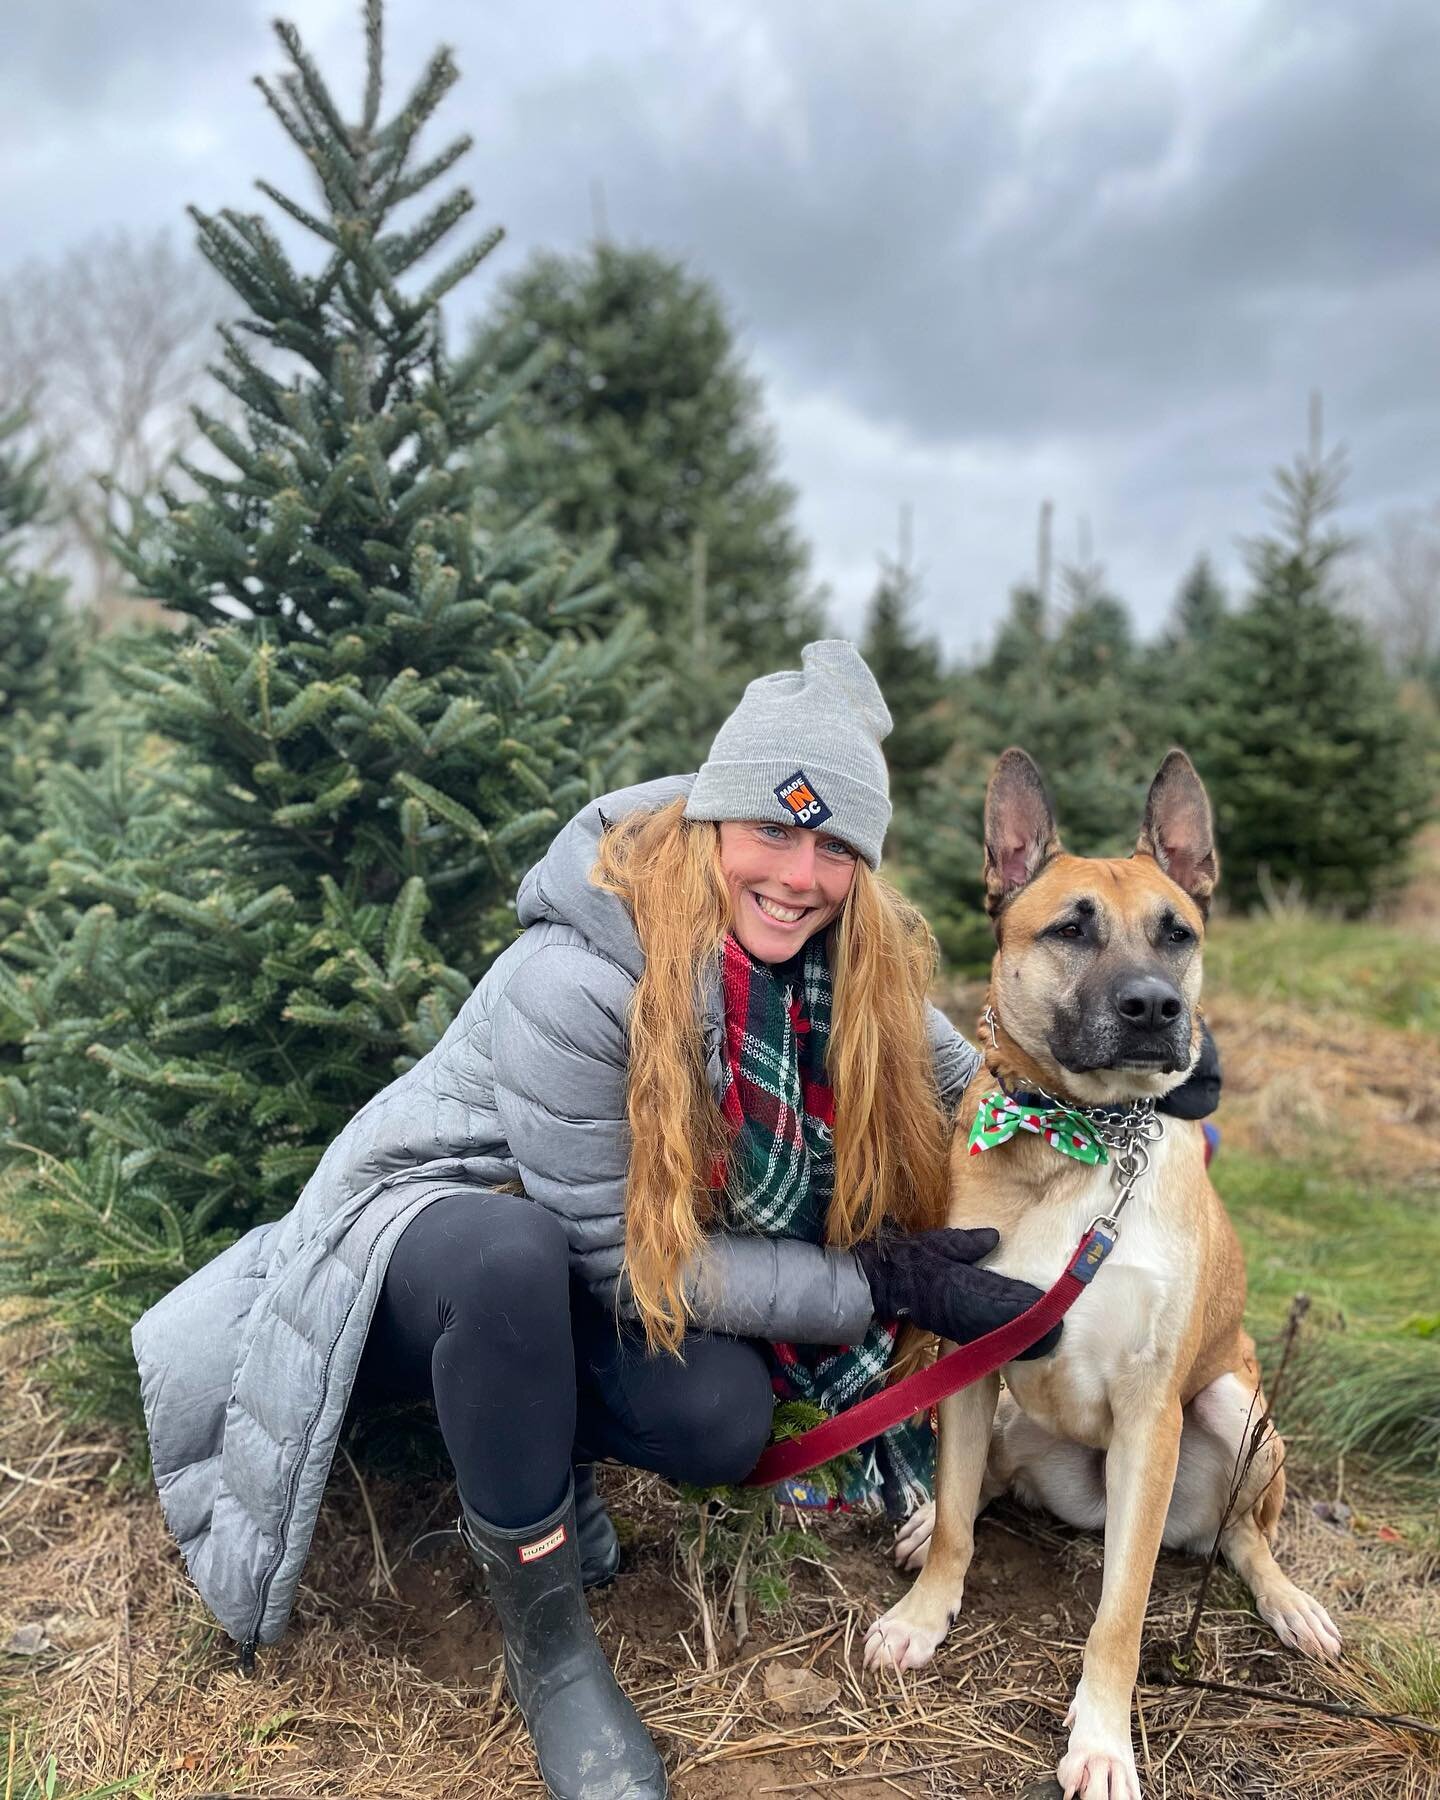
929 1277
1199 1094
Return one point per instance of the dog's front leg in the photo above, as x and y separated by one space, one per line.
1099 1763
907 1636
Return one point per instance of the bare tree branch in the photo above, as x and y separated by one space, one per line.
107 347
1396 584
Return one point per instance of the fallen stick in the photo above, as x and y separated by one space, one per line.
1336 1708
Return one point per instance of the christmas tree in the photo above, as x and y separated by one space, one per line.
1199 607
1070 686
1316 773
646 425
277 897
908 666
1072 691
40 646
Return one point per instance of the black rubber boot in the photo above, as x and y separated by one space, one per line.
594 1531
587 1736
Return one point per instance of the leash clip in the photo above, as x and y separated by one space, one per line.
1101 1236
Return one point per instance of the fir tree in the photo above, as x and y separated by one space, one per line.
1199 607
941 846
1072 692
275 900
1021 650
646 425
1316 773
907 664
40 655
38 643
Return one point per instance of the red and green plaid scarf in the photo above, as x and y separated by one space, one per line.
779 1103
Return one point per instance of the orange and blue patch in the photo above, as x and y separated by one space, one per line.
798 795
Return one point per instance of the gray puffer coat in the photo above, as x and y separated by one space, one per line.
246 1368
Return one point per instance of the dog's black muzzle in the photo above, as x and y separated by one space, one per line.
1139 1020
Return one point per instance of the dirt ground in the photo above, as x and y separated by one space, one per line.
388 1682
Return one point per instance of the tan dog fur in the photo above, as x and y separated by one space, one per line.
1138 1421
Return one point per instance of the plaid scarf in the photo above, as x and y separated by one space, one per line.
779 1103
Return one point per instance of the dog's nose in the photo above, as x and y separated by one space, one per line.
1148 1002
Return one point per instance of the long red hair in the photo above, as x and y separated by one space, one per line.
891 1133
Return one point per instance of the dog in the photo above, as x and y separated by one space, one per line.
1142 1420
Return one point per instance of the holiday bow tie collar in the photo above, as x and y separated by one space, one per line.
1001 1115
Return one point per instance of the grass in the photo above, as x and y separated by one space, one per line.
27 1779
1367 1253
1406 1673
1385 974
1368 1379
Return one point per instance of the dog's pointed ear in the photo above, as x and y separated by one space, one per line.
1178 830
1020 834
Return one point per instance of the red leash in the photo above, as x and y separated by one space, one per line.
920 1391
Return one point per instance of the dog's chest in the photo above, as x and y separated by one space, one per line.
1123 1334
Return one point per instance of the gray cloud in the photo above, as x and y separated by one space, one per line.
981 254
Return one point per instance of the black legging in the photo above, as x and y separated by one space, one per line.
527 1370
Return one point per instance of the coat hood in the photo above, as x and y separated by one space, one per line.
558 890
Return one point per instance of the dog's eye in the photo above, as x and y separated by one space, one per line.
1070 930
1179 934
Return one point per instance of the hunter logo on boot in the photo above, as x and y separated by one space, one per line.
797 795
542 1546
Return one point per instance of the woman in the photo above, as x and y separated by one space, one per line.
709 1068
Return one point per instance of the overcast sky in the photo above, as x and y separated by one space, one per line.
981 254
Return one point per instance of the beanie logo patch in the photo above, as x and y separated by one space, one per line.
798 796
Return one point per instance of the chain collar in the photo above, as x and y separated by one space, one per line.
1127 1131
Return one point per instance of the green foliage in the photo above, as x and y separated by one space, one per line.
942 833
1071 689
1360 971
40 652
1364 1382
1199 608
931 851
301 845
38 644
1074 690
644 424
37 1777
907 664
1317 776
1404 1668
739 1536
1379 1401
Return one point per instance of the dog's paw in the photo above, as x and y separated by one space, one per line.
1099 1763
1097 1767
1300 1622
1098 1772
912 1541
907 1636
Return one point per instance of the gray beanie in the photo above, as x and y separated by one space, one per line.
803 748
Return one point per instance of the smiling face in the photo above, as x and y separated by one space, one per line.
786 883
